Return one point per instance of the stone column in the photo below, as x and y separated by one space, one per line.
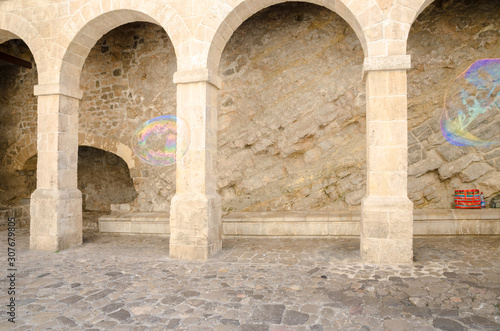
56 204
387 213
195 216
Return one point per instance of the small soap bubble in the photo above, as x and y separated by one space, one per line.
471 112
155 141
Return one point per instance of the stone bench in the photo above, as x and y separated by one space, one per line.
311 224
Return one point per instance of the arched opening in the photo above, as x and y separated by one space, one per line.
444 41
127 80
18 121
291 132
103 178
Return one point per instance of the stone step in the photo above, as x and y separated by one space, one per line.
312 224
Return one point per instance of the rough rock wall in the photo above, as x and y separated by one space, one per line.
127 80
291 113
444 41
291 110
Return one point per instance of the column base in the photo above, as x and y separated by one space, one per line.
195 226
387 230
56 219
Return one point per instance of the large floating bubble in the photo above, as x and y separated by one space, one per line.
471 113
155 141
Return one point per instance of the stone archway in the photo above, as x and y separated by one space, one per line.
59 95
13 27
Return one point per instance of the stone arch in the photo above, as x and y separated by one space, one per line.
20 152
216 29
422 4
109 145
13 26
96 18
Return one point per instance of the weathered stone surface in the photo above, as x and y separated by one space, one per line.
474 171
291 108
480 322
293 317
271 314
453 168
432 162
447 324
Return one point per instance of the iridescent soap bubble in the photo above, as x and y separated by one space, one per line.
471 113
155 141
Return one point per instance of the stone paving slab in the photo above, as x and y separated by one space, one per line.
129 283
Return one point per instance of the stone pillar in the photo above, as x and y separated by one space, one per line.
387 213
56 204
195 214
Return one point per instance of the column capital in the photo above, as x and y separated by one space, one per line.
196 76
385 63
59 89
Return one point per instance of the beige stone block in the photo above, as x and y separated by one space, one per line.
107 226
242 11
377 84
377 48
400 13
136 227
186 252
397 183
377 133
105 5
387 108
374 32
415 5
344 228
396 251
387 158
378 184
357 7
256 5
177 31
400 230
394 30
375 227
396 47
203 33
369 17
126 4
397 83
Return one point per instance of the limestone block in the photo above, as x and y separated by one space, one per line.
387 230
474 171
452 168
56 219
195 226
369 17
431 163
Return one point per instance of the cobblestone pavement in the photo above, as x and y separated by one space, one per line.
130 283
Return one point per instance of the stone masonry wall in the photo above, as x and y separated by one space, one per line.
127 80
291 126
18 107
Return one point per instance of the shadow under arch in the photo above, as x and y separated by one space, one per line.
234 17
111 146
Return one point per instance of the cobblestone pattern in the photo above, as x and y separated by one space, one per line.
129 283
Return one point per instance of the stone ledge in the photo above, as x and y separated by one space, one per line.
312 224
